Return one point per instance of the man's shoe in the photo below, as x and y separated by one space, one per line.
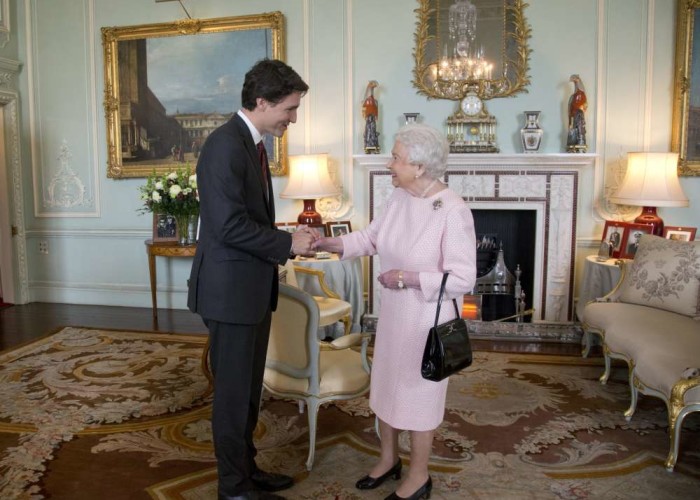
269 481
253 495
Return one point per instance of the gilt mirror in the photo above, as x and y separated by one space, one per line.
477 45
168 85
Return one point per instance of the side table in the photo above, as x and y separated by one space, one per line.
599 278
163 249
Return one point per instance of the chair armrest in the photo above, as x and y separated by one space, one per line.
321 280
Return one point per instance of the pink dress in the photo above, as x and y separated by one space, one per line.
430 235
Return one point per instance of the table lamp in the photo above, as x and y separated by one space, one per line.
651 181
309 181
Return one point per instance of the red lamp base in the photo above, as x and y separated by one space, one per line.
309 216
649 217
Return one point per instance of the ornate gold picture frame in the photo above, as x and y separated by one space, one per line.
168 85
685 134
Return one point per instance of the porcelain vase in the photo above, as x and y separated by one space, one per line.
531 133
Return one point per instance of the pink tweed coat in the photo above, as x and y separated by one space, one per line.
429 235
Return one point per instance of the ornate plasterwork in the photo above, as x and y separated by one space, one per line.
66 189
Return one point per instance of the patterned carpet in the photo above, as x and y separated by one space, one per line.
90 413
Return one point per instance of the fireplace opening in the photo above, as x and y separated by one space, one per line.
511 233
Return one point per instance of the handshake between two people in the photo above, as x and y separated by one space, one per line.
306 241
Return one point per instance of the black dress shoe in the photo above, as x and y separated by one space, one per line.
422 492
369 483
269 481
252 495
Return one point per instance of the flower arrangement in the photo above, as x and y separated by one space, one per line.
174 193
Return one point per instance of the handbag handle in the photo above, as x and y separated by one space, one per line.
442 291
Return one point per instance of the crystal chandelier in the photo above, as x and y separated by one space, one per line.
462 64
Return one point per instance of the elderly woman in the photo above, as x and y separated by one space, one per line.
424 230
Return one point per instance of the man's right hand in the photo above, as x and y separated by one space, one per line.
301 243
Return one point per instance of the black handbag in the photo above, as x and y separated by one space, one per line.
447 349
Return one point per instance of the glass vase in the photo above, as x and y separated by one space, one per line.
192 224
182 222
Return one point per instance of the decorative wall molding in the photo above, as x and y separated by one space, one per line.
4 22
8 101
66 189
69 190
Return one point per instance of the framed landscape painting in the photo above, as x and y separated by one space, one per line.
169 85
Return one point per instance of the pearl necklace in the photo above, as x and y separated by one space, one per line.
425 191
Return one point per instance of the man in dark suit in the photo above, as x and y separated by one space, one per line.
234 280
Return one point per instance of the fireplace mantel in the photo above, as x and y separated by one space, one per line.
546 183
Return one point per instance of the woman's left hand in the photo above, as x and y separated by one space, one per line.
390 279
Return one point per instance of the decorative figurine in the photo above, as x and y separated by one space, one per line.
576 138
411 117
370 112
531 134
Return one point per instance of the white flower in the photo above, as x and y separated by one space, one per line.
159 185
193 181
172 176
175 189
186 191
155 196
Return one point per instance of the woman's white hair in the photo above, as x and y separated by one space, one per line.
426 146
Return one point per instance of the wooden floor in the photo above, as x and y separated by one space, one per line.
20 324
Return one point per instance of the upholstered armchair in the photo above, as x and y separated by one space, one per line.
331 307
301 367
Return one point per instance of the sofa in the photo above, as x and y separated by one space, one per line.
651 320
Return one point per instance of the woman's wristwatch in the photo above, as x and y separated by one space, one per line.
401 284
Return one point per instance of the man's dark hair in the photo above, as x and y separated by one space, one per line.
272 80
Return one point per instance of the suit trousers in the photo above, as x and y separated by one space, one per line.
237 357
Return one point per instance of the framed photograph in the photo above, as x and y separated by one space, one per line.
290 227
164 228
321 228
338 228
169 85
633 232
614 233
679 233
685 134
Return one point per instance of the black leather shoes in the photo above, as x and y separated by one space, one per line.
269 481
252 495
369 483
422 492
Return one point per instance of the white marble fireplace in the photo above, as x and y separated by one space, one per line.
547 184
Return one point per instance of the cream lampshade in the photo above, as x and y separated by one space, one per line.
309 180
651 181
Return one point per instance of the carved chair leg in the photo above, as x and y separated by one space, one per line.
313 416
606 374
347 323
634 397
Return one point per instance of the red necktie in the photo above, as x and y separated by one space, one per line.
262 153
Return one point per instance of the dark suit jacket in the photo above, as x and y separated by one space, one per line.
234 276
